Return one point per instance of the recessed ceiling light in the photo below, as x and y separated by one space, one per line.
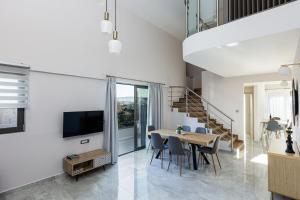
232 44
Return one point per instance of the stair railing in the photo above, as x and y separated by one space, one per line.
177 92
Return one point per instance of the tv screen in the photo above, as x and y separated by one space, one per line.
82 123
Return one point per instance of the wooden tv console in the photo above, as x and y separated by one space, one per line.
86 162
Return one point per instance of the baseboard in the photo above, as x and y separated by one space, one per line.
30 183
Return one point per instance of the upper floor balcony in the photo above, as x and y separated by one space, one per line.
205 14
241 37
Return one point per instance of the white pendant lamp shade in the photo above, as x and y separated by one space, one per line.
114 45
106 25
284 83
284 70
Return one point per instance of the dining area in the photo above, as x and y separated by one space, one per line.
272 127
183 147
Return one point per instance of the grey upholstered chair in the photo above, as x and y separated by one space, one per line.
201 130
157 144
211 150
150 128
176 148
273 126
186 128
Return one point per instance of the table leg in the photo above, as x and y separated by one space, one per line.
158 154
194 156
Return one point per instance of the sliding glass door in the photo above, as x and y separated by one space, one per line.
132 117
141 98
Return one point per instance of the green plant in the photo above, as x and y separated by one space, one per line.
179 128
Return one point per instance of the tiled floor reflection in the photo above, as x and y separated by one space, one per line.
134 179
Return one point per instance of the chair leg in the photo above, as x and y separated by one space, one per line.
152 156
218 160
149 146
199 159
170 160
212 158
189 157
180 171
162 155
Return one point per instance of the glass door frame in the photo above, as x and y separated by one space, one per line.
135 148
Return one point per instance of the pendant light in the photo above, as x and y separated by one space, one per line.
106 25
114 45
284 70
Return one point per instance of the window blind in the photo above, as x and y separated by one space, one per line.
13 86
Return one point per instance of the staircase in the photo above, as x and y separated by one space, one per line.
190 102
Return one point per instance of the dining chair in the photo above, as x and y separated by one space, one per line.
273 126
201 130
176 148
276 118
150 128
186 128
212 151
157 144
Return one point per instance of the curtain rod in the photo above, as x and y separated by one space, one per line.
23 66
131 79
79 76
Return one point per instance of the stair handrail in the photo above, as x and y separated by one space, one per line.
203 99
187 90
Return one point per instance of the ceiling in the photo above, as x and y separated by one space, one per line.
168 15
255 56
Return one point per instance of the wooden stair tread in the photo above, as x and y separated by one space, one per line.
238 144
196 109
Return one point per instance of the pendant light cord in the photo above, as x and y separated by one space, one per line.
106 5
115 15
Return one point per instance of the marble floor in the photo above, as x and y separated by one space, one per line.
133 178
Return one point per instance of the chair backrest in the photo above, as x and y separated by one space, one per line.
157 141
215 148
276 118
175 146
186 128
201 130
151 128
273 126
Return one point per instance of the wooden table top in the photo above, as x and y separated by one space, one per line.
190 137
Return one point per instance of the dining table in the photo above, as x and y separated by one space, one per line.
194 139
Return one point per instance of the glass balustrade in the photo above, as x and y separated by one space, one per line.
201 15
205 14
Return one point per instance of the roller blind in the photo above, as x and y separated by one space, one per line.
13 86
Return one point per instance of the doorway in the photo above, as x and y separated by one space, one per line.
249 112
132 117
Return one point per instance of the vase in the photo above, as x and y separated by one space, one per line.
178 131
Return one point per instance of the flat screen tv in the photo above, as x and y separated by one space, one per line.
82 123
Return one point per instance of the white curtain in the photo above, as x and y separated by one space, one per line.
279 104
110 141
155 105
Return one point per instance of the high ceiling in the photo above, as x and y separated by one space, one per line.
168 15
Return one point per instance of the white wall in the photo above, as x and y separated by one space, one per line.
228 95
63 36
37 153
195 75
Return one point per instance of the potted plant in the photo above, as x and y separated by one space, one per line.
179 129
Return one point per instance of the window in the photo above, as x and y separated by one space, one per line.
279 104
13 98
